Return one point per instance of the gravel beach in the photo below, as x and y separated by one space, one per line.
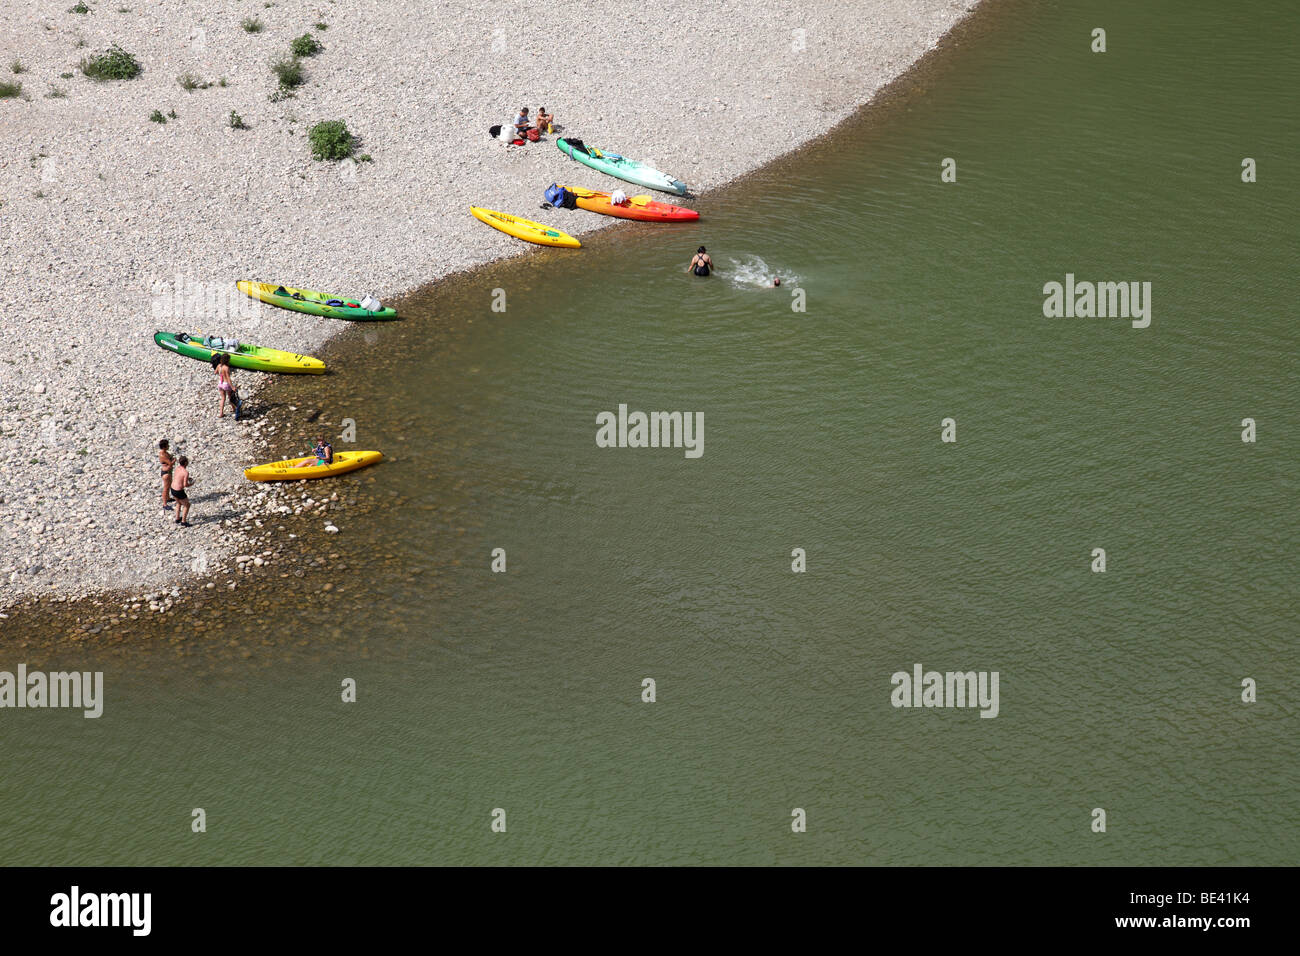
104 210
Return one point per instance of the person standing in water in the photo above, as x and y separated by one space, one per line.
167 463
701 263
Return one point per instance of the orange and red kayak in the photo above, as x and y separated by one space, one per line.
642 208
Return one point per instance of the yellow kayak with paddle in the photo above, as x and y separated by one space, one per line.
294 469
525 229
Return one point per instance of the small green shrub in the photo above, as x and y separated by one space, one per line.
305 45
157 117
172 114
330 140
17 66
113 64
79 7
365 158
10 90
321 27
251 25
237 121
56 94
288 70
221 82
189 81
65 76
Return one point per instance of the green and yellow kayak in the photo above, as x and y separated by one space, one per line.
313 303
243 355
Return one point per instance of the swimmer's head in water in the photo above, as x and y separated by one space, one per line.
776 280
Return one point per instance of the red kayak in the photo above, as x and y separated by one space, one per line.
642 208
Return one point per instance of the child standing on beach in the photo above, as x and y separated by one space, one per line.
180 481
166 461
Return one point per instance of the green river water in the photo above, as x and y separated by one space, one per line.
522 691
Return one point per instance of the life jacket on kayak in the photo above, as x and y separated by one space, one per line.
561 198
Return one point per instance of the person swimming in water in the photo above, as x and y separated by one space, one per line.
776 281
701 263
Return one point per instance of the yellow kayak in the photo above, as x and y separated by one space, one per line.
344 461
524 229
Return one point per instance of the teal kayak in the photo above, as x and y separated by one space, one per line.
620 167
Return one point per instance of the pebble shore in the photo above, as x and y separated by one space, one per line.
102 211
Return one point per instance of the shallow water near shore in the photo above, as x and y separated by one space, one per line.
523 690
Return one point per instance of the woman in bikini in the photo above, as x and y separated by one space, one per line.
167 463
225 384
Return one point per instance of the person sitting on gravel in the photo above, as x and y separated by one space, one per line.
522 122
544 121
324 453
180 481
167 462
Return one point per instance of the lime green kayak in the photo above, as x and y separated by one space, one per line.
313 303
242 354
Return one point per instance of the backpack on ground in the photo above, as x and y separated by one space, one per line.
561 198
